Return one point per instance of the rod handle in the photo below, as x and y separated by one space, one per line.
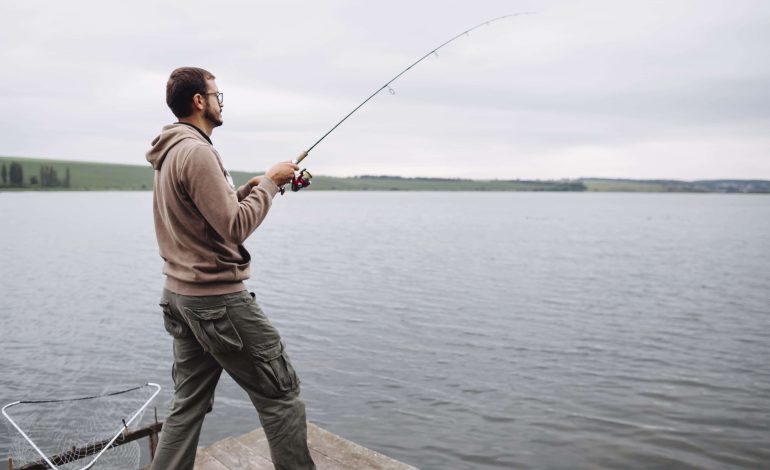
300 157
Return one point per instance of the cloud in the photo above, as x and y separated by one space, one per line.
641 89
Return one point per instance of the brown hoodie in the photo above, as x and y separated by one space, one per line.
201 221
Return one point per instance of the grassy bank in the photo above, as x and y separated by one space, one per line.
83 175
677 186
45 174
107 176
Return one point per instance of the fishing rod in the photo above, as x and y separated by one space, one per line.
303 178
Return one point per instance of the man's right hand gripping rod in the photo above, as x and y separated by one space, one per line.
301 180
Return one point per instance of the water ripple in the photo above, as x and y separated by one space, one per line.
542 331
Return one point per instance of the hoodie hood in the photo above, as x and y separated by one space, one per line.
169 136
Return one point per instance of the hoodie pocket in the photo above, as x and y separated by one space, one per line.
213 329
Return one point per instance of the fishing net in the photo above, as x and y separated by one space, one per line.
74 433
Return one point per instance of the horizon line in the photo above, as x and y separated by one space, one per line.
454 178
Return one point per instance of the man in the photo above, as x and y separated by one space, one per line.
201 222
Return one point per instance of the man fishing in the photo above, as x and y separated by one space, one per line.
201 223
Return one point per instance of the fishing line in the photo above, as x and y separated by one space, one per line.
303 179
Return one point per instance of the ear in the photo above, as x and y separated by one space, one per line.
198 102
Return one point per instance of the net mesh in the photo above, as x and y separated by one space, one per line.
76 429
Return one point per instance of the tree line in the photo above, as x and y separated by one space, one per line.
13 176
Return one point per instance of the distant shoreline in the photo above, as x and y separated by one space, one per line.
33 174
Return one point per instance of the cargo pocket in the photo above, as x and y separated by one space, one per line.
275 375
213 329
173 326
173 374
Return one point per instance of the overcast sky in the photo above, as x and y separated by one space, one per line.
643 89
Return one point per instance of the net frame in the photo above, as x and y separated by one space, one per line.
108 445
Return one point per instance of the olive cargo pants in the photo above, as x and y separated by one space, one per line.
229 332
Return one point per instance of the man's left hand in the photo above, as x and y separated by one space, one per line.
255 181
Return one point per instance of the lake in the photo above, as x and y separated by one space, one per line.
447 330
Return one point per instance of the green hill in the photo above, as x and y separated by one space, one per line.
83 175
34 174
397 183
677 186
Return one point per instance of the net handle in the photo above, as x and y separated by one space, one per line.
105 448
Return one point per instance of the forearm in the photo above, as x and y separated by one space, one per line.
252 210
234 215
243 191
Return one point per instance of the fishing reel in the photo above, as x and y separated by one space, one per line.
299 181
302 180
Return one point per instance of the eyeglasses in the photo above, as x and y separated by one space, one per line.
220 96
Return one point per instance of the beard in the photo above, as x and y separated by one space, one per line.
212 117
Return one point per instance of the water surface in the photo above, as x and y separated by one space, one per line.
447 330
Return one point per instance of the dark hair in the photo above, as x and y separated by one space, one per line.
183 84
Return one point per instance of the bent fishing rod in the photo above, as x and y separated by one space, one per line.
303 178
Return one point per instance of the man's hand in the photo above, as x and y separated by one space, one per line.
255 181
281 173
